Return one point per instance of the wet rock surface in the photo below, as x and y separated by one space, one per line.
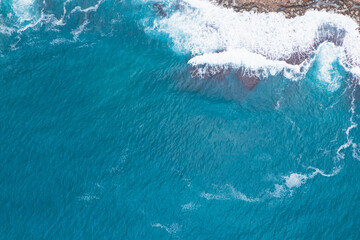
293 8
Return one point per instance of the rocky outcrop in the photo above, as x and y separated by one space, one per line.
293 8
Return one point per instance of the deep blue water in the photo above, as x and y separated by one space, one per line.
105 135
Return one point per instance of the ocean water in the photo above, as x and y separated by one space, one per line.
135 120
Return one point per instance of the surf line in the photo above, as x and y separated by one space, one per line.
252 45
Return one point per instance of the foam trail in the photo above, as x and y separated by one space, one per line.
172 229
76 32
88 198
353 125
88 9
32 24
29 15
295 180
60 22
228 192
317 171
189 206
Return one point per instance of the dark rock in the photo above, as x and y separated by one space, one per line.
249 80
159 9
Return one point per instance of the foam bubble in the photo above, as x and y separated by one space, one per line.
295 180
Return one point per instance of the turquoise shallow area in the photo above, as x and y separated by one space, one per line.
105 135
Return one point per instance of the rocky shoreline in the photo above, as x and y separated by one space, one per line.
216 45
293 8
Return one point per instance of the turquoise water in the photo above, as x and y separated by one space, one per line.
106 135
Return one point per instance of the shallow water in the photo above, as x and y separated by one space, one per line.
106 135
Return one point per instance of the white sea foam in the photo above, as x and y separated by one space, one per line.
6 30
228 192
350 139
88 198
29 17
23 9
327 55
317 171
189 206
254 40
76 32
88 9
210 196
295 180
355 71
279 191
60 22
237 58
172 229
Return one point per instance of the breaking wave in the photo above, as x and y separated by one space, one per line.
260 44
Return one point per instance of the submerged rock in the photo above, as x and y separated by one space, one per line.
159 9
249 80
